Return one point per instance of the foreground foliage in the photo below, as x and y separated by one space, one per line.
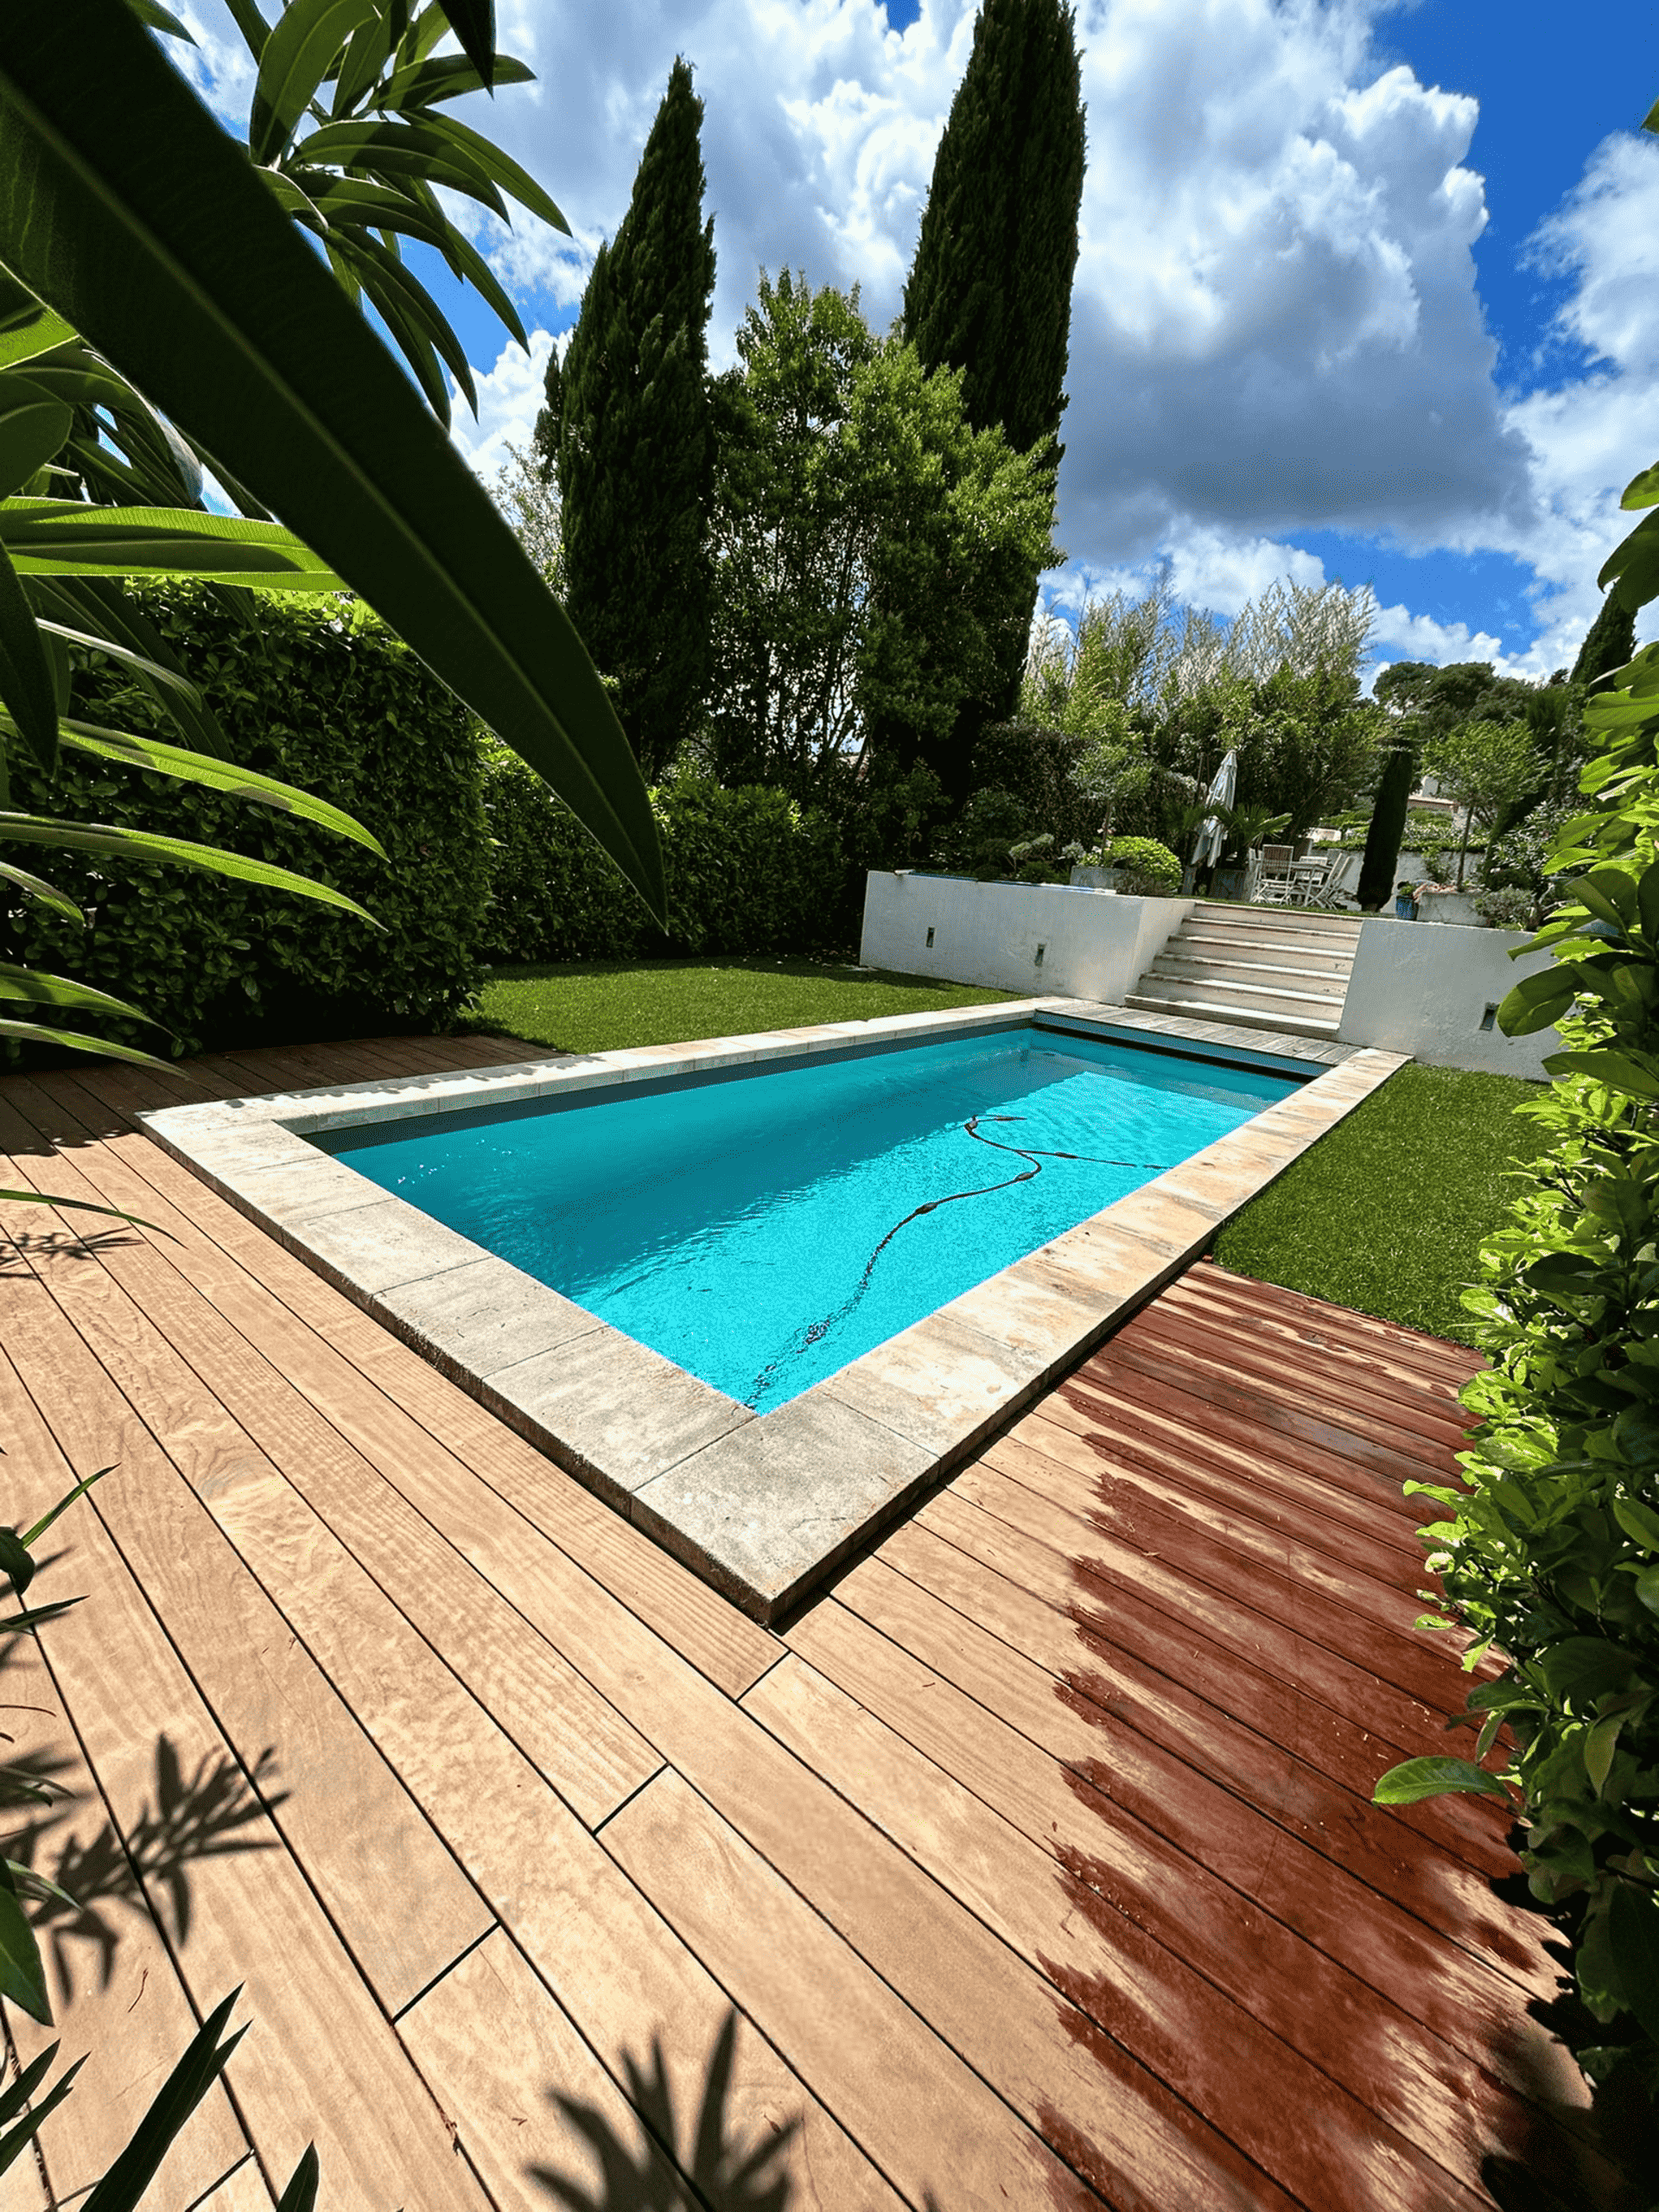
1551 1557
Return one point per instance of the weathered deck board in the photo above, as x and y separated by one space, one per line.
1034 1866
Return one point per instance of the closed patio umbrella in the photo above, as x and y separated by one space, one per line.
1220 794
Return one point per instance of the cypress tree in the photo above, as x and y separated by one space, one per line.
1388 826
989 292
634 443
1609 643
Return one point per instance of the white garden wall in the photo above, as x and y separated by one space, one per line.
1094 945
1428 992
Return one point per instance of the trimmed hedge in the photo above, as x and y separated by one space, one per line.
321 696
749 871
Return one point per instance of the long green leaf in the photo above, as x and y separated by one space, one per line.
448 79
27 688
35 887
300 2195
33 1535
22 1978
473 24
38 989
219 776
500 167
35 1033
18 2137
146 845
67 537
365 58
127 209
413 150
33 423
303 42
204 2061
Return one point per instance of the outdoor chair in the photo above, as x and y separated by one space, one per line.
1275 885
1315 879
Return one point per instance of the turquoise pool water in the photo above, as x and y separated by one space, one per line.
763 1231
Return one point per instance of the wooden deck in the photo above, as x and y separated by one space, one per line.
1033 1866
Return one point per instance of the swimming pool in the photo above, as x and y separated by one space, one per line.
922 1183
760 1231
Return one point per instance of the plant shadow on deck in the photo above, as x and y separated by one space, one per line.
192 1817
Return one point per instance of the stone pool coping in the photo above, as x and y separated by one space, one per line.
762 1506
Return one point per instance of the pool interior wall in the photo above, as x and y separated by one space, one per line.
761 1229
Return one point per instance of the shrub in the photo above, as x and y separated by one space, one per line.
1146 870
321 696
1511 908
749 871
1551 1557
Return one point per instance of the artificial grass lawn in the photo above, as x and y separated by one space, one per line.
1388 1212
606 1006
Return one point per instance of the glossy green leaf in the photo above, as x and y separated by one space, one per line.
1643 491
428 83
1522 1013
33 1535
124 205
500 167
364 59
303 42
416 150
158 18
1633 566
146 845
27 688
1646 1588
218 775
22 1981
35 887
1640 1523
1616 1070
1599 1745
1633 1919
34 986
1580 1668
205 2059
1416 1779
67 537
35 1033
34 425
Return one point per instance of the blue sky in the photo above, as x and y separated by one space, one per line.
1366 290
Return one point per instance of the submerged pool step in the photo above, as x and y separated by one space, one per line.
1240 1017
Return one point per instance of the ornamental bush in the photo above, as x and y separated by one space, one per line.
1146 870
749 871
321 696
1551 1557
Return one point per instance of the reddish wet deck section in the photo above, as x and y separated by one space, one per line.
1033 1865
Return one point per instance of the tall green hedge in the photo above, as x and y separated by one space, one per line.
749 871
321 697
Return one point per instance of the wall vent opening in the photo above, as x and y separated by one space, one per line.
1488 1020
930 940
1041 950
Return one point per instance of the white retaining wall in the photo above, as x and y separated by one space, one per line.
1094 945
1426 992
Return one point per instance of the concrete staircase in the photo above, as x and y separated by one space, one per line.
1260 967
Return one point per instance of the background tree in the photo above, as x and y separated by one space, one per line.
866 538
989 292
634 442
1389 807
1609 643
1482 766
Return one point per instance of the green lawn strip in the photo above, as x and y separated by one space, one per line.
606 1006
1387 1214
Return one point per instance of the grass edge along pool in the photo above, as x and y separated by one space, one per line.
761 1228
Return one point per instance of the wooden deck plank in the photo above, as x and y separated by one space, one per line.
1131 1706
1466 2001
111 1978
1382 1365
1290 2117
320 2060
300 1495
379 1392
1446 1365
926 2118
262 1683
1107 1860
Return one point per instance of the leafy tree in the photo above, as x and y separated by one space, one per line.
1482 766
865 535
989 292
635 445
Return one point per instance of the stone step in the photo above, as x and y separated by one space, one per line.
1182 964
1219 990
1240 1017
1300 921
1311 954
